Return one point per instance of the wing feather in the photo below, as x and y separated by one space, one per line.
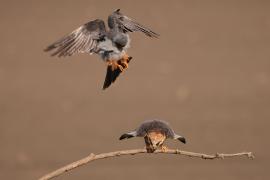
129 25
82 40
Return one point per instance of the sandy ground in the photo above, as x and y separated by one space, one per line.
208 75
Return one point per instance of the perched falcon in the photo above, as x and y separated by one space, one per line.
111 45
155 132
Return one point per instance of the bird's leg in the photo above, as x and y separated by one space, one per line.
150 149
119 66
109 62
149 145
115 65
125 60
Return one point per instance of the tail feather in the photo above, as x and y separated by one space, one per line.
113 73
111 76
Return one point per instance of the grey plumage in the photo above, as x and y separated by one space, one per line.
93 37
125 24
153 125
110 45
82 40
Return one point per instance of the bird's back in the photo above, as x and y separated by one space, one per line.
155 125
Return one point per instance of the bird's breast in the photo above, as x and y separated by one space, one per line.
121 41
113 48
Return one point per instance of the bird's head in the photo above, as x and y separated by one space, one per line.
117 11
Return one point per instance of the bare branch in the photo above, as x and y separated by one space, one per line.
93 157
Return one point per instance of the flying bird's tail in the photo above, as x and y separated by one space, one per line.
114 70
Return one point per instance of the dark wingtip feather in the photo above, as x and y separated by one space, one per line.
155 35
182 139
125 136
151 33
146 30
49 48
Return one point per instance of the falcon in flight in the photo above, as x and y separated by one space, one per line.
155 132
110 44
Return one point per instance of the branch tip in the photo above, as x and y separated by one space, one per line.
250 155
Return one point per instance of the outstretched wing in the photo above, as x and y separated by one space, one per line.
128 135
180 138
82 40
129 25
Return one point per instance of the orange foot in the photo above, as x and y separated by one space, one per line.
124 61
115 65
149 149
164 148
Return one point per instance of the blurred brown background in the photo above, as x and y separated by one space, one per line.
208 75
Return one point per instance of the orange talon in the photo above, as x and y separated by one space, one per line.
115 65
124 61
125 64
120 67
164 148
